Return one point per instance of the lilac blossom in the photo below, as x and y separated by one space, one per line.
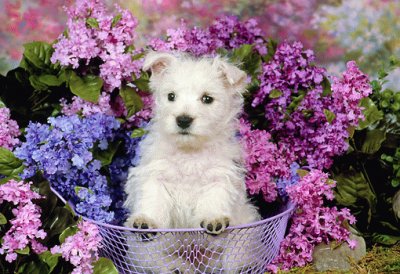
225 32
9 130
63 152
81 249
93 33
297 113
312 222
263 161
25 227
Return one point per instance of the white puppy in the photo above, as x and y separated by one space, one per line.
190 173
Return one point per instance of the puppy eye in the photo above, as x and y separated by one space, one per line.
207 99
171 96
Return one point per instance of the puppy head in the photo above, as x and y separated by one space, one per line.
196 100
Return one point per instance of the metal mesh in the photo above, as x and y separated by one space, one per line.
241 249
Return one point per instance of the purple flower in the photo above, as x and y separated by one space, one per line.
63 151
81 249
25 227
9 130
297 113
93 33
225 32
312 222
263 161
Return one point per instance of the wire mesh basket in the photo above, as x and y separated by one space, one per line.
239 249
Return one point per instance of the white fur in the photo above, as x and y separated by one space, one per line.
182 180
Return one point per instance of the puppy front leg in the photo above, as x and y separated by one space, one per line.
213 211
152 207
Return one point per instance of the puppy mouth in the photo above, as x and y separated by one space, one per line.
184 132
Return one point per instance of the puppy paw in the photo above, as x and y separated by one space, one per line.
215 226
142 222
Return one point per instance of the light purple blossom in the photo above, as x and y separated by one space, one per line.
9 130
263 161
96 37
25 227
81 249
312 222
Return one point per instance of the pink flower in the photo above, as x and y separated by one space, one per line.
263 161
9 130
312 223
25 227
81 249
105 42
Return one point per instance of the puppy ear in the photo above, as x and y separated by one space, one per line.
157 62
233 76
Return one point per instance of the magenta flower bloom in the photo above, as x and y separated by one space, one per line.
264 162
25 227
9 130
81 249
95 36
312 223
303 126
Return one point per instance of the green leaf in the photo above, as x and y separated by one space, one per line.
104 266
138 56
50 259
116 19
50 80
33 267
329 115
60 219
139 132
133 102
24 251
275 94
3 219
376 86
239 54
77 189
385 239
67 232
92 22
302 172
38 54
326 86
351 186
382 74
373 141
142 84
371 113
106 156
10 165
88 87
2 105
36 83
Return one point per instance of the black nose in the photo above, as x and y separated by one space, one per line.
184 121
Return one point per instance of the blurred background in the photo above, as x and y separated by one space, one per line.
367 31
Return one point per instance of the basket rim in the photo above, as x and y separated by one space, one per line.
290 206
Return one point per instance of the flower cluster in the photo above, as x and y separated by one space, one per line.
64 152
264 162
9 130
303 115
25 227
313 223
95 37
110 107
86 108
282 183
81 249
225 32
